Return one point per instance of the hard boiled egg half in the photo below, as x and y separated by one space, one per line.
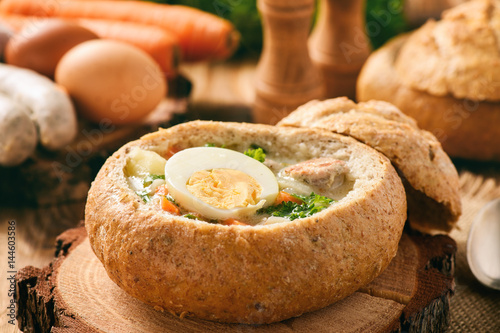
219 183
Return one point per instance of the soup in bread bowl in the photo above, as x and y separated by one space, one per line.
244 223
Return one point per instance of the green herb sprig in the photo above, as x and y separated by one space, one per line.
144 194
210 144
310 205
151 178
256 152
146 182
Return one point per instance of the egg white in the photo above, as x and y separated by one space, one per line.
180 167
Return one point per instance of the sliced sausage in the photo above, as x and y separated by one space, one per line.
50 107
322 173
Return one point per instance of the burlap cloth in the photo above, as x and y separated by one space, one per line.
474 308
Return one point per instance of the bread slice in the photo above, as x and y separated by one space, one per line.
446 75
247 274
429 176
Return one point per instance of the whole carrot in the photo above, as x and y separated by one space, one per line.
201 36
15 22
159 43
285 197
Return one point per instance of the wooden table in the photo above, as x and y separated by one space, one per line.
225 91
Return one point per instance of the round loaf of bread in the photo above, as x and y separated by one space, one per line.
429 176
245 273
446 75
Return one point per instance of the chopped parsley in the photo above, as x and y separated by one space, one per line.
310 205
146 183
150 178
144 194
211 144
256 152
191 216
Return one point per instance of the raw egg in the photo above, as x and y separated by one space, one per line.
219 183
111 81
40 45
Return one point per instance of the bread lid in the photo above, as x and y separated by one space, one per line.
458 55
429 176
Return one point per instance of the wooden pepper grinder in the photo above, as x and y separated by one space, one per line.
286 76
339 46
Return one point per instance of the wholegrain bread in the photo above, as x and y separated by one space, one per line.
248 274
446 75
430 178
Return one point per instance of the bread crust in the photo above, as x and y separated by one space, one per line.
430 178
459 105
457 55
247 274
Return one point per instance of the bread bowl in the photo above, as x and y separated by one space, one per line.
246 273
429 176
446 75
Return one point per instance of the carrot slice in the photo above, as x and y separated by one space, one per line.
201 35
231 221
162 190
284 196
169 206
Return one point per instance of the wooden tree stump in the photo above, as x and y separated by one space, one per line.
74 294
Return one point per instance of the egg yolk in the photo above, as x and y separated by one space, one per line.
224 188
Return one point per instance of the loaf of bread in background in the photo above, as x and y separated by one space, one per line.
446 75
